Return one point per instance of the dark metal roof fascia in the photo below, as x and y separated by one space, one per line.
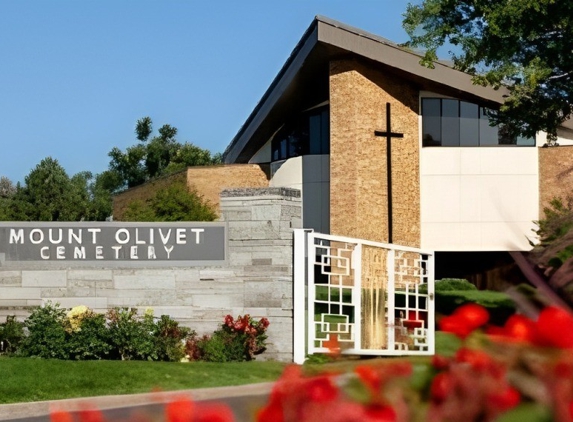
381 50
273 93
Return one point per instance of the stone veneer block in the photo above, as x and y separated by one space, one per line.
90 275
139 281
217 301
10 278
44 279
20 293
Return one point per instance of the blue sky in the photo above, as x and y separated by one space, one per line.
76 75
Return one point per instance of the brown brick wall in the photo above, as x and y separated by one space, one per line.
555 174
358 190
208 181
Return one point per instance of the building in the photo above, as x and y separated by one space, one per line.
455 184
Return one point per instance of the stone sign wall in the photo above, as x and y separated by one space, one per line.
255 278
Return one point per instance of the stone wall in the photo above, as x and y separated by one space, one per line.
257 279
207 181
358 182
555 174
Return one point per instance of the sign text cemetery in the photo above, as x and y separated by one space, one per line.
113 242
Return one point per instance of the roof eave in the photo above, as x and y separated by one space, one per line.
344 37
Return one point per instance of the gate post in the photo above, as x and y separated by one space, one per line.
299 295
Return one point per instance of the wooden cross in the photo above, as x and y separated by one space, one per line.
389 135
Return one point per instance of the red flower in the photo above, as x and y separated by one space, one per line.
264 322
381 414
472 314
321 389
465 319
229 321
213 413
272 412
442 386
555 328
454 325
61 416
180 410
370 377
506 399
520 328
91 415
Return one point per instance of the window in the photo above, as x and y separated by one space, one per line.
308 133
454 123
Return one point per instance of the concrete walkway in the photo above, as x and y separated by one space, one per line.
243 400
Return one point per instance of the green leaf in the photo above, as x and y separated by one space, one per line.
527 412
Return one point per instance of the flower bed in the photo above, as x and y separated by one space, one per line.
522 371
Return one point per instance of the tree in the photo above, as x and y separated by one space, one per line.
50 195
7 191
174 203
7 188
524 45
155 156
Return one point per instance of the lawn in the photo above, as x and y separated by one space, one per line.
27 379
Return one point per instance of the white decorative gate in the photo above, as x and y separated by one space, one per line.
375 298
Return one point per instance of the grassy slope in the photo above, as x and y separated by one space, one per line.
25 379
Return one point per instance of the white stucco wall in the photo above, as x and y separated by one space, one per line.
478 199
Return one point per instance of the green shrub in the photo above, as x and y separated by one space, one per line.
448 284
47 337
141 338
222 347
11 334
132 337
91 340
170 339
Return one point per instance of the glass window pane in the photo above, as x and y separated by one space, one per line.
325 132
283 149
450 123
431 127
469 124
487 133
523 141
315 133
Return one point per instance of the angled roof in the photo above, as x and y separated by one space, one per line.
303 79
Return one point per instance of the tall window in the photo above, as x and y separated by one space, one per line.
308 133
454 123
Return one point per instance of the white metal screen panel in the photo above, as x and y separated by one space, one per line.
375 298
